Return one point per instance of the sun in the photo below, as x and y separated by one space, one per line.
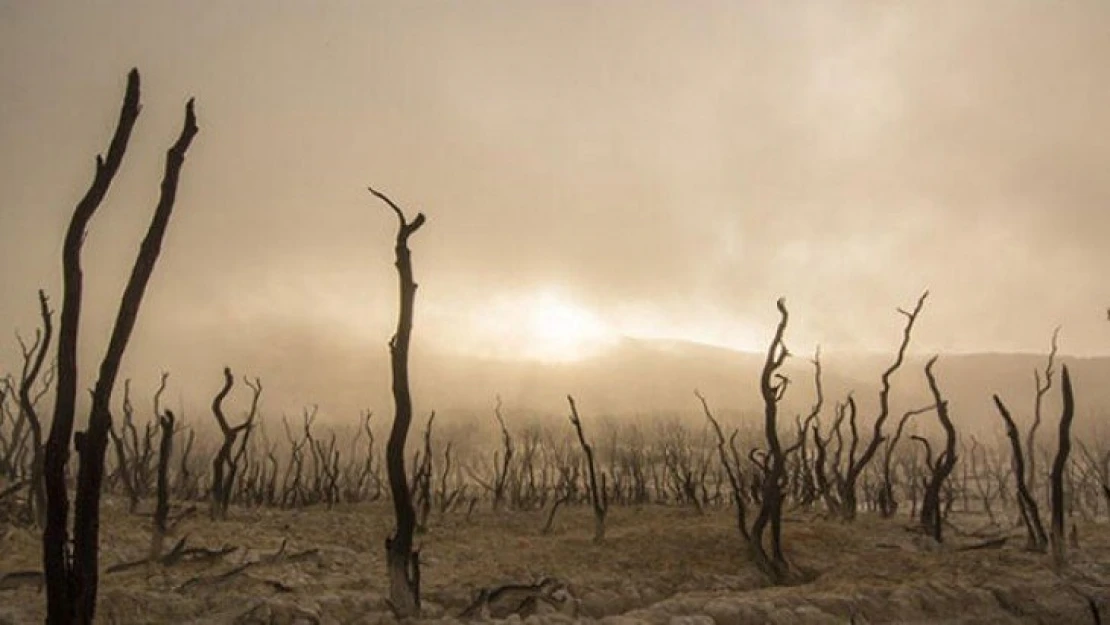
544 325
557 329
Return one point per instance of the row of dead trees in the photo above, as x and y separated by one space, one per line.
302 464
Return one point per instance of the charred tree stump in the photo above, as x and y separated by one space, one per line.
402 563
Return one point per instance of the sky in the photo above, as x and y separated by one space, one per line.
589 170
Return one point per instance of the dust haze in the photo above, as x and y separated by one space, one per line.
598 177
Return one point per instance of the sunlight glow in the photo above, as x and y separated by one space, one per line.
544 325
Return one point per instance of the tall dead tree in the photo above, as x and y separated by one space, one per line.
769 556
847 485
1059 465
767 551
1037 540
72 577
402 563
931 513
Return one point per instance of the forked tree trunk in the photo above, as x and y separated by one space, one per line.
855 468
931 514
61 585
402 563
769 555
72 579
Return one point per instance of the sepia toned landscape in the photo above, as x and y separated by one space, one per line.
378 312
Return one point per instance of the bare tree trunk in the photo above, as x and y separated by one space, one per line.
888 504
772 387
402 563
34 358
931 515
162 505
1042 386
61 585
856 466
1058 537
72 580
597 495
501 473
86 520
225 465
735 478
1030 515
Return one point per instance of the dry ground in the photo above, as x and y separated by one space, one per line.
657 565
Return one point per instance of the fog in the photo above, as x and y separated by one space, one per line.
590 171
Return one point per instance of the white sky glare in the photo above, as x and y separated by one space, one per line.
589 169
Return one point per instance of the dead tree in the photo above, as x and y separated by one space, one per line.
1037 540
132 459
811 489
598 497
72 577
769 556
731 464
888 505
162 492
501 470
402 562
422 480
931 513
224 465
1042 385
847 485
33 358
1059 465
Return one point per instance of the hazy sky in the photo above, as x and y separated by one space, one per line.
657 169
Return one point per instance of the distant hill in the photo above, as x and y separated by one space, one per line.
634 377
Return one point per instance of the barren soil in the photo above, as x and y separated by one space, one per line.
657 565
